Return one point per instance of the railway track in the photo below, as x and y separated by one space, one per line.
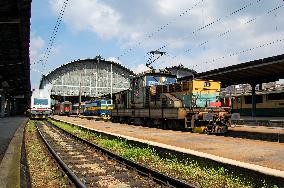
88 165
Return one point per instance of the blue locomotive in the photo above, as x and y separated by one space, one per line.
99 107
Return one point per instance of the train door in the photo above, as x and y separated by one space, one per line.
66 108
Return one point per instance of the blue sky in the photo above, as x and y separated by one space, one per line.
110 28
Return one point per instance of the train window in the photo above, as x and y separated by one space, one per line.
207 84
248 99
275 96
38 101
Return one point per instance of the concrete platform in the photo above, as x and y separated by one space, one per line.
275 134
96 118
262 121
11 137
262 156
240 130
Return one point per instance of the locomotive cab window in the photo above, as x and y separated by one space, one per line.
207 84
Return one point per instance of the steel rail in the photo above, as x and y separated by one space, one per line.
156 175
72 176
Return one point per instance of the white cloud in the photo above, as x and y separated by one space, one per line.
140 68
36 47
90 15
170 7
114 59
130 22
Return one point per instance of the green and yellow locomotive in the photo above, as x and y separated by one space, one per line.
158 100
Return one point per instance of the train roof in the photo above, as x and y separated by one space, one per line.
66 102
186 78
259 93
77 104
190 78
155 74
88 102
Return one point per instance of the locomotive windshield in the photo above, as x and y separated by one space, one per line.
40 101
159 80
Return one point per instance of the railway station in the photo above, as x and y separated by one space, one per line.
162 122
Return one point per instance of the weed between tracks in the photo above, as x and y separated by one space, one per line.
194 172
43 169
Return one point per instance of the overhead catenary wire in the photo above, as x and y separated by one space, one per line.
204 26
159 29
57 26
240 52
35 70
218 20
228 31
49 48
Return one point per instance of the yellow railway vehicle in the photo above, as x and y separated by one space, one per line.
268 103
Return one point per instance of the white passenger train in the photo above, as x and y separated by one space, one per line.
40 104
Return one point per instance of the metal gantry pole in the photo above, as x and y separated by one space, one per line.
253 100
111 81
96 84
63 91
80 93
90 85
97 78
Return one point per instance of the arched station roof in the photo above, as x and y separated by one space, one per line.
95 77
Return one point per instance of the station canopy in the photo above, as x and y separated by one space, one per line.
14 47
253 72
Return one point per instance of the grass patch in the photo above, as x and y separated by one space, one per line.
192 171
44 171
